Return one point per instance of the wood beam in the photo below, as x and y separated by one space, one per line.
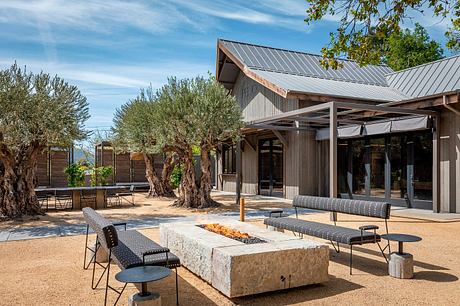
253 147
281 138
333 151
436 165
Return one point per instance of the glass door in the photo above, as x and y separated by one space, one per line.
271 167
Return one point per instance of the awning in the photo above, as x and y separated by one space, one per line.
378 128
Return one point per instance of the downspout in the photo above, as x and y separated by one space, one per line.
444 103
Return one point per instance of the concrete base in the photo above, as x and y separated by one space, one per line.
238 269
401 265
154 299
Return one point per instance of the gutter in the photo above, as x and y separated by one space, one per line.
446 105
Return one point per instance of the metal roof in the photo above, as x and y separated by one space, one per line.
433 78
333 88
304 64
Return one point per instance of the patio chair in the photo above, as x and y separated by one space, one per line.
63 199
88 198
112 198
43 199
127 196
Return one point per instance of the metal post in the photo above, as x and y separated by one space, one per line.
333 154
436 165
238 171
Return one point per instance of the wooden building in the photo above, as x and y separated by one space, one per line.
359 132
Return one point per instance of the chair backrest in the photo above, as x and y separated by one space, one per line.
105 230
346 206
62 193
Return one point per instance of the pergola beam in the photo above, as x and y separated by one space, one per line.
280 137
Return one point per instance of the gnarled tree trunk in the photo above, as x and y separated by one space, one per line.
189 195
17 173
205 180
159 185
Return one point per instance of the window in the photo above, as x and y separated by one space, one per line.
228 159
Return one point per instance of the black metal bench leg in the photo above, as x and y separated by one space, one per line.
177 289
351 258
107 282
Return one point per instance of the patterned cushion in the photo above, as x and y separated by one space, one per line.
127 246
133 244
346 206
104 229
324 231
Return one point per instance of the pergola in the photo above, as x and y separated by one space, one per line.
333 116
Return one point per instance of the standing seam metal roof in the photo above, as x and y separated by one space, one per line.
305 64
429 79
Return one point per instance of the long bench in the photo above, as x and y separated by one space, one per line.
334 233
127 248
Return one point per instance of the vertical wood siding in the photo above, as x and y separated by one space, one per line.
450 162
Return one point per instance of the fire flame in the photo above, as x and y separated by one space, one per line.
225 231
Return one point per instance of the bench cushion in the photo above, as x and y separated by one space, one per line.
346 206
131 246
324 231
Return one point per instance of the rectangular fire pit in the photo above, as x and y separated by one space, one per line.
268 260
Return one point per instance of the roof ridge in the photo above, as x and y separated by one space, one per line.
425 64
294 51
318 77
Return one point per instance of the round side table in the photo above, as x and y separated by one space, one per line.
143 275
401 265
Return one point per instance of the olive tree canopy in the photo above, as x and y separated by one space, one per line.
37 111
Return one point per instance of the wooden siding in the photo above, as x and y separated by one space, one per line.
257 102
122 168
41 174
450 162
59 161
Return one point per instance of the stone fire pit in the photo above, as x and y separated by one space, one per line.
236 268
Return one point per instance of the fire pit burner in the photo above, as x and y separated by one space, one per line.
231 233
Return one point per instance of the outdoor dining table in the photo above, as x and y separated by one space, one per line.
101 199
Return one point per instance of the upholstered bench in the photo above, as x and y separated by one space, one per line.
127 249
332 232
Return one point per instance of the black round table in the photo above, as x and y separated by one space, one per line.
401 238
142 275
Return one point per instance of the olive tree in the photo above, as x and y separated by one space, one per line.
36 111
134 131
195 112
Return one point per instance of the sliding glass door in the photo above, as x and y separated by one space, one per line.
395 168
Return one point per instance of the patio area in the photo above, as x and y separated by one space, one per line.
51 268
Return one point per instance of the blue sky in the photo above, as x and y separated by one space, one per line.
110 49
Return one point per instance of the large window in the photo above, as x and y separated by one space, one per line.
228 159
397 168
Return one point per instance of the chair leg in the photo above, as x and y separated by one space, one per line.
177 289
107 281
351 258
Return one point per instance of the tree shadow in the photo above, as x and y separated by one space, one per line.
417 263
334 286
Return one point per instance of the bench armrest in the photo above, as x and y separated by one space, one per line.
155 251
120 224
369 227
274 212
